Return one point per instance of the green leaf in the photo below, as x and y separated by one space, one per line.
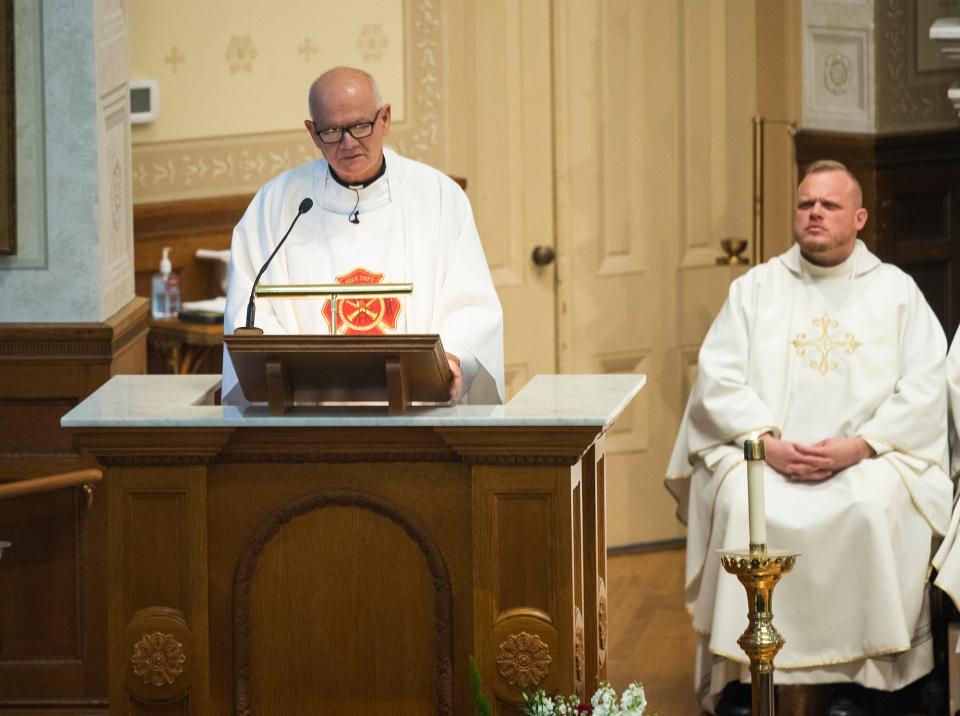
480 704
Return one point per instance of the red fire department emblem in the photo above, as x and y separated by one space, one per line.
363 315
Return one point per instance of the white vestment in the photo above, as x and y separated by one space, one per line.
415 226
947 559
810 353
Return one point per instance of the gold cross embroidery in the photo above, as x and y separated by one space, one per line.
824 343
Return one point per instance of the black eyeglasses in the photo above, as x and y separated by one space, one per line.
332 135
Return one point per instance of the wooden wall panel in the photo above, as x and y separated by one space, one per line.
47 533
158 583
370 582
521 526
181 708
594 565
440 512
529 521
53 638
158 549
33 426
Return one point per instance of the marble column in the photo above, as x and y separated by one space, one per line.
74 260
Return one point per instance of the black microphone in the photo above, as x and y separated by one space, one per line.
354 217
305 206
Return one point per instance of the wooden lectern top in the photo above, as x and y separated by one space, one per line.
285 370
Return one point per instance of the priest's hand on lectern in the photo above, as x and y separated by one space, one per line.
456 382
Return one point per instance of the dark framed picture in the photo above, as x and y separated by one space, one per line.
8 134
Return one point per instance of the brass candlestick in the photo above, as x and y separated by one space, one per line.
759 570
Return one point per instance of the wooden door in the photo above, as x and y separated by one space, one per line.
653 168
505 141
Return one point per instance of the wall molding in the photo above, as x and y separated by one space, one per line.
240 164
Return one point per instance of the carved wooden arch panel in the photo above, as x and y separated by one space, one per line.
270 527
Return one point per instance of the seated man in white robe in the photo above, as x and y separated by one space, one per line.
947 559
838 362
377 218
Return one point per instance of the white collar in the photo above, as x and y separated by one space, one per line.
342 200
859 262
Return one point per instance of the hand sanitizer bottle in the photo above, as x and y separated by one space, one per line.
165 290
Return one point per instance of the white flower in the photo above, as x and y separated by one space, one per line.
634 700
539 705
604 696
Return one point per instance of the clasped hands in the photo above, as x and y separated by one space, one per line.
813 463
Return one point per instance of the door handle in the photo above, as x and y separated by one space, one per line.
543 255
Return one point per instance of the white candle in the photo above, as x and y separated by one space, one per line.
755 504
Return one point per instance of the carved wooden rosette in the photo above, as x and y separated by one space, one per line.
525 651
158 646
524 659
158 659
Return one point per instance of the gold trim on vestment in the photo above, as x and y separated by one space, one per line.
916 505
897 448
716 494
945 591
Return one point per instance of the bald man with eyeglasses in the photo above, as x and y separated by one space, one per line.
378 218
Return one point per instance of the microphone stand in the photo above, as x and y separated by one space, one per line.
248 329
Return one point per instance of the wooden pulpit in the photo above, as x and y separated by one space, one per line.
288 370
347 561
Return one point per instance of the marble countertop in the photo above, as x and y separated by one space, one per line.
184 401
